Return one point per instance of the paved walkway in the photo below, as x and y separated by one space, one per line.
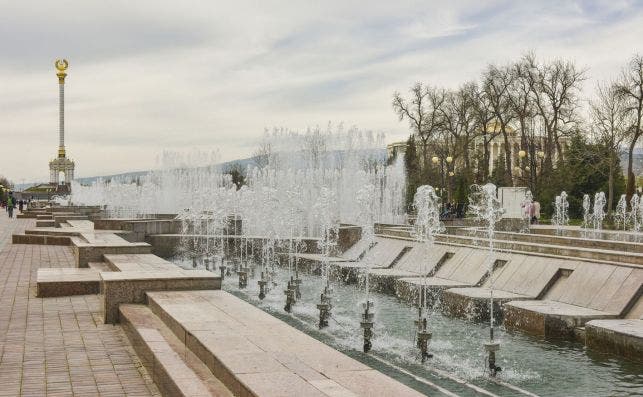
57 346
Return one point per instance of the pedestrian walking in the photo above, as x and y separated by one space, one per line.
10 204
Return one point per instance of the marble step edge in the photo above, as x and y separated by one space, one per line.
175 369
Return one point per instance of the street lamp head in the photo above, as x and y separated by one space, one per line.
541 154
527 168
449 159
522 154
435 159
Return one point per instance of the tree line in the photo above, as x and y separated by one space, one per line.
537 107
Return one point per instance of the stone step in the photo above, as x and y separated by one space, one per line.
45 223
120 287
40 239
173 367
564 241
67 281
100 266
256 354
632 259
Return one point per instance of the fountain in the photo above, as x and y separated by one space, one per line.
484 204
587 216
620 213
635 212
427 224
329 231
599 211
561 212
365 198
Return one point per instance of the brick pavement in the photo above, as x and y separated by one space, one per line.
57 346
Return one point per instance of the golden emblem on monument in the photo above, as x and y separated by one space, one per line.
61 65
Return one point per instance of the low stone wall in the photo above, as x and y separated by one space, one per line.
94 253
126 287
475 309
601 336
538 324
40 239
348 236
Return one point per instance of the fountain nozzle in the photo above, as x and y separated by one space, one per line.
290 296
262 286
491 348
243 277
367 325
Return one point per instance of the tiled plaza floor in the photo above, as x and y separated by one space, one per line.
57 346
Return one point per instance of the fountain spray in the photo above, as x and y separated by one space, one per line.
484 204
329 227
365 199
427 224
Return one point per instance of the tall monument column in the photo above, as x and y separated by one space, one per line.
61 66
61 164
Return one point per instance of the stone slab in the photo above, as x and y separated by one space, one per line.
549 319
67 282
623 337
176 371
291 362
473 303
90 247
131 286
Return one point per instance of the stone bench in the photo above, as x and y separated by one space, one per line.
42 239
90 247
131 286
549 318
255 354
66 282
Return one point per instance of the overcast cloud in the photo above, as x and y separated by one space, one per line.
151 75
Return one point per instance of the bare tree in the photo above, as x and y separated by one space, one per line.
496 84
630 87
458 115
555 87
610 122
422 110
482 117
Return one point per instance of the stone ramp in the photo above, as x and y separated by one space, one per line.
253 353
592 291
515 277
175 369
420 260
384 254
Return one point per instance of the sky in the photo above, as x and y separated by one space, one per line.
146 76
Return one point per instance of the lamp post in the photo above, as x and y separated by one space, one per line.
531 166
436 160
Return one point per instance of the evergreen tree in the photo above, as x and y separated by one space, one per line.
412 168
